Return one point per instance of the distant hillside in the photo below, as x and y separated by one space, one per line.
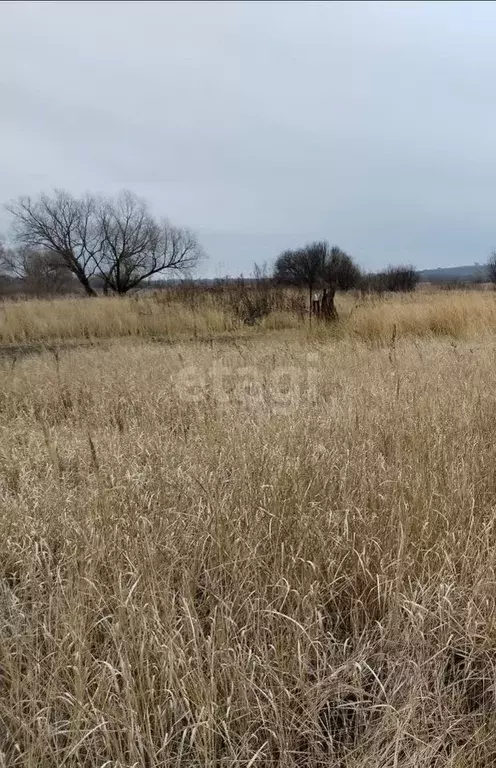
469 272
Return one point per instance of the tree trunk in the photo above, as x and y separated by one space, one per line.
328 309
87 287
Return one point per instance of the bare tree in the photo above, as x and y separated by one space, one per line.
315 266
3 250
64 226
5 279
37 272
491 269
402 279
134 246
341 270
9 268
302 267
118 241
339 273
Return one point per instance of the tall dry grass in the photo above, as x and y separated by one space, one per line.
176 316
260 553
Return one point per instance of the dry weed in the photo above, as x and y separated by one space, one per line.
165 315
265 553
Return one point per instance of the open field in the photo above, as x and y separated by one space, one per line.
272 549
167 316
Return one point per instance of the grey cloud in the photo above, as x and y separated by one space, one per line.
261 124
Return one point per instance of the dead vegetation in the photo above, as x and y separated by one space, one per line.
269 552
190 312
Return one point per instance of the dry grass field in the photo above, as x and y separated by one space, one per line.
263 546
172 317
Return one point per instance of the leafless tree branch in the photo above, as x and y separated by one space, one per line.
117 240
135 246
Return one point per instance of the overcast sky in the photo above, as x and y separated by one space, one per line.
264 125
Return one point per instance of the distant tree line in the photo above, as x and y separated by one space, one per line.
401 279
65 244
